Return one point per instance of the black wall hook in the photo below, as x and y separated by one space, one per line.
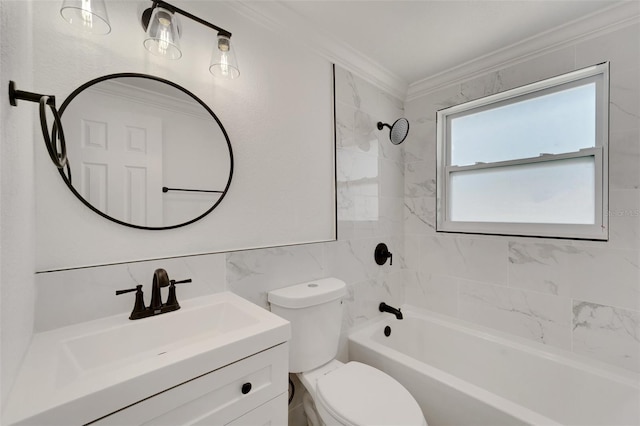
381 254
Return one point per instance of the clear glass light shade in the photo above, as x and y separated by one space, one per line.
88 15
223 59
163 38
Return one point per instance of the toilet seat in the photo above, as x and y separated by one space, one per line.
358 394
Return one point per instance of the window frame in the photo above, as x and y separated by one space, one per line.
599 230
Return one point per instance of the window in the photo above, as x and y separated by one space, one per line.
528 161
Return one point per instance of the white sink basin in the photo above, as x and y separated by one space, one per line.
92 369
139 340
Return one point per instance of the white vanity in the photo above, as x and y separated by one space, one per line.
218 360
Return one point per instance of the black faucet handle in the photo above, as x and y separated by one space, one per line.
382 253
129 290
139 310
172 300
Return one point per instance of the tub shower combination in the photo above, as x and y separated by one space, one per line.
462 375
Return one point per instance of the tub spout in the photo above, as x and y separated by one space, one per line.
386 308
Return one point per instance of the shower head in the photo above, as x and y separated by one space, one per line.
398 131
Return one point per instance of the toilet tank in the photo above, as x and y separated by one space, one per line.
314 310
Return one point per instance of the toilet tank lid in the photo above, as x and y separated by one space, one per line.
309 293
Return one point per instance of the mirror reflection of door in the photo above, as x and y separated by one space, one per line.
117 160
132 136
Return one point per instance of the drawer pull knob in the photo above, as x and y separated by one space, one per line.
246 388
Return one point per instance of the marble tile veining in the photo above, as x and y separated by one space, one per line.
624 152
596 274
438 293
419 180
420 215
606 333
77 295
538 267
535 316
624 219
368 294
253 273
479 259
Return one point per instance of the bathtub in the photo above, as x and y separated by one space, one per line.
463 374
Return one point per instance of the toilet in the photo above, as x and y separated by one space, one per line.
352 394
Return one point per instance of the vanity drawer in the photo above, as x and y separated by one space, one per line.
215 398
272 413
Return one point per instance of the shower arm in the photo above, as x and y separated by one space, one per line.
382 125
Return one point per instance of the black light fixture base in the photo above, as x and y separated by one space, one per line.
146 17
15 94
12 93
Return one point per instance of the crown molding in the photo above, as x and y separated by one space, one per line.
138 95
277 17
599 23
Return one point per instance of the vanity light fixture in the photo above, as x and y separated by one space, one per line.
88 15
223 59
163 34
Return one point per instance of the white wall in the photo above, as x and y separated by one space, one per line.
582 296
17 208
278 116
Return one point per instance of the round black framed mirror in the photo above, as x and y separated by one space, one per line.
144 152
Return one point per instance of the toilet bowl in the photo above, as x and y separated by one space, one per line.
350 394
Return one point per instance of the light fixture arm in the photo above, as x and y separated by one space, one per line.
59 158
174 9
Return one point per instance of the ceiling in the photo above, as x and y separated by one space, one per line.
421 38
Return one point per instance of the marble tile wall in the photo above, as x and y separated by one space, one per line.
370 178
78 295
582 296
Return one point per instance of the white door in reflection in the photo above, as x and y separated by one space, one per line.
117 162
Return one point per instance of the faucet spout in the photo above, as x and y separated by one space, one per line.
160 279
386 308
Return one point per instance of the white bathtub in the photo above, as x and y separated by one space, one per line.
461 374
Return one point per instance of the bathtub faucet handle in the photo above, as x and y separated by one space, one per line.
382 253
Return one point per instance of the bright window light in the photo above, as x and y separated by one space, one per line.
528 161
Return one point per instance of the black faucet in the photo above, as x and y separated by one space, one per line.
386 308
160 280
156 307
